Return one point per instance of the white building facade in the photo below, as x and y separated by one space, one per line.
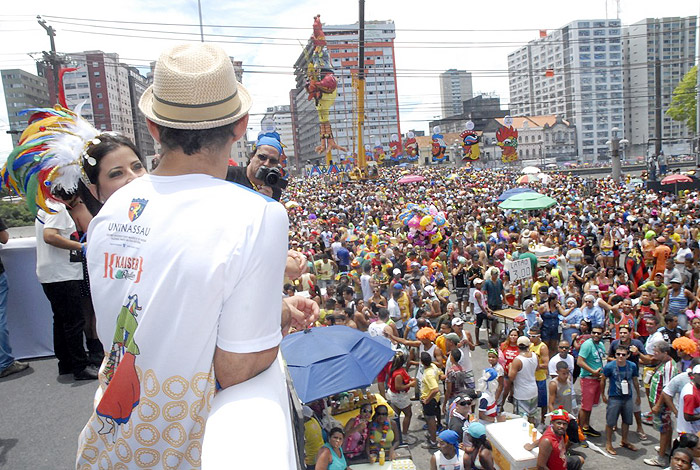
671 42
575 73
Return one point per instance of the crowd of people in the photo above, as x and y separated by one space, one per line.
610 307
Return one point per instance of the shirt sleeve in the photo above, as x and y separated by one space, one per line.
251 315
689 404
61 220
483 404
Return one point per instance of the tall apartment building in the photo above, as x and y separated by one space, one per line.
671 42
574 72
22 90
381 95
279 118
455 88
142 138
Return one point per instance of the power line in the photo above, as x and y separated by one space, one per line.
329 28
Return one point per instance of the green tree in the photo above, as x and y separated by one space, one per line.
684 103
16 214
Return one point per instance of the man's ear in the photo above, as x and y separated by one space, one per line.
239 127
153 129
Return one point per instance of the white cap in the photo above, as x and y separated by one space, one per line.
696 369
396 271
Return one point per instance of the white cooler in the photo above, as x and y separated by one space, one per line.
507 439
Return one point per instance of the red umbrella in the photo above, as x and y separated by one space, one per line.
673 179
411 179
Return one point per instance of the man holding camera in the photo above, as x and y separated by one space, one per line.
262 173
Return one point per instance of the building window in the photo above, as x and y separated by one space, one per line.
98 84
96 73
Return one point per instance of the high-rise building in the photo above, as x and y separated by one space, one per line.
574 72
381 94
101 83
279 118
23 90
142 138
666 44
455 88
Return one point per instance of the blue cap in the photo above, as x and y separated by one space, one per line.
476 430
398 286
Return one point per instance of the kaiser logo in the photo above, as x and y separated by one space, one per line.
136 208
127 268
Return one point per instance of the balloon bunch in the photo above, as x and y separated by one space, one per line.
424 224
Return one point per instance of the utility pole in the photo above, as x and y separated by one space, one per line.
360 89
51 58
201 26
657 113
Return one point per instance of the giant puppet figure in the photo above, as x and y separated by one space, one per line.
379 154
321 85
411 147
395 148
439 146
507 138
470 143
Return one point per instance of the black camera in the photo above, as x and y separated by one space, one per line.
271 177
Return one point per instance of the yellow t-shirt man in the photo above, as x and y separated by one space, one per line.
430 381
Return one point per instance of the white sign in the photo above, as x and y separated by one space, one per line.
520 269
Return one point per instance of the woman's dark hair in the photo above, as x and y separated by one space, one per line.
108 143
397 363
376 411
335 430
194 141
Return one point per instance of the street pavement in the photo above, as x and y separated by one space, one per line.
42 414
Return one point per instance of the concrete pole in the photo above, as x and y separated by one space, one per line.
616 164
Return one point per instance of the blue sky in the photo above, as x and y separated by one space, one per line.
268 58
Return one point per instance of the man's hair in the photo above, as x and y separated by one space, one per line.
194 141
534 329
663 347
562 365
425 358
383 314
669 317
623 348
456 355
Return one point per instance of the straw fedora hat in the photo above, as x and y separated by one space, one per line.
194 87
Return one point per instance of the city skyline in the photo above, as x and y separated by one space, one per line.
426 45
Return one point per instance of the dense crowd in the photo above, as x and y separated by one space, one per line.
610 309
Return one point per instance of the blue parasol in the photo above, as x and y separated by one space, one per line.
325 361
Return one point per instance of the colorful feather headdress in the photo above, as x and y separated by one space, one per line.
50 154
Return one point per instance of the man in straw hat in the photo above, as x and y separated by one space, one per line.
193 338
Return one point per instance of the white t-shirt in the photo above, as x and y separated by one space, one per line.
681 424
556 359
394 312
200 259
376 328
52 263
366 287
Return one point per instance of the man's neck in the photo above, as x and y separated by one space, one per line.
177 163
